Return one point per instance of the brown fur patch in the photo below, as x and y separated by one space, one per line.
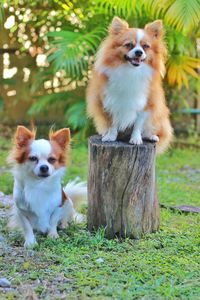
64 197
22 140
60 141
61 155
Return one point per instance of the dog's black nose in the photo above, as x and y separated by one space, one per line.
44 169
138 53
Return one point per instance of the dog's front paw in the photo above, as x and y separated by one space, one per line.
30 243
136 139
53 235
109 138
154 138
63 225
110 135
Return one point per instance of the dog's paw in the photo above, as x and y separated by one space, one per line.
30 243
53 235
79 218
154 138
109 137
63 225
136 139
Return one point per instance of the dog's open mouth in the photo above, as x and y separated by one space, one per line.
135 61
44 175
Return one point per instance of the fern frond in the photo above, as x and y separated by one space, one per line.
73 49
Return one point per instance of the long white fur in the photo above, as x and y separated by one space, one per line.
77 191
38 200
126 93
126 96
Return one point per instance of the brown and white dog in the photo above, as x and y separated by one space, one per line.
41 204
125 89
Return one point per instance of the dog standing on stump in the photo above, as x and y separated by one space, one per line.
125 90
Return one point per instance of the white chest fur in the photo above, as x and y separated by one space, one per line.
37 198
126 93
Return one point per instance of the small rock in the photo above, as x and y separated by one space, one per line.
5 283
1 238
99 260
67 280
86 256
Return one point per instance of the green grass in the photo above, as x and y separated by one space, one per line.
81 265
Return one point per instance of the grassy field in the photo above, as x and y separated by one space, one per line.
81 265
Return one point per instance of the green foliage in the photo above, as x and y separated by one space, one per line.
74 107
73 50
124 8
2 83
80 264
1 103
70 33
75 115
180 14
49 99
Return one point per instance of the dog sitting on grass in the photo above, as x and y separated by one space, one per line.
41 204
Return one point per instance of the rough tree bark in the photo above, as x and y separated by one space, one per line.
122 188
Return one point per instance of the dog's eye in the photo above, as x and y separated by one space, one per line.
33 158
129 45
146 46
51 160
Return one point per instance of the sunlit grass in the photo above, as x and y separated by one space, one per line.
164 265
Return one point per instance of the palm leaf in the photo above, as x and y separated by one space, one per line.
183 15
155 8
43 102
179 68
76 115
73 49
177 42
40 77
123 8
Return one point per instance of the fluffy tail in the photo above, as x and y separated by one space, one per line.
14 219
165 137
77 191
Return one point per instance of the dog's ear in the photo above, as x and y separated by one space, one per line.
61 137
117 26
23 136
155 29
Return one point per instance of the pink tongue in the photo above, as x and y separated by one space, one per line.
136 61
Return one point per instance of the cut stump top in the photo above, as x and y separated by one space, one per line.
97 140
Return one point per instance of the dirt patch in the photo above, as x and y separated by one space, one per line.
6 202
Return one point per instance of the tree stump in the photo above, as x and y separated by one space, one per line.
122 194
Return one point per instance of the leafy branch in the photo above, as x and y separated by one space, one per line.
72 50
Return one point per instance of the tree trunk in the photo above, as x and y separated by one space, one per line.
122 194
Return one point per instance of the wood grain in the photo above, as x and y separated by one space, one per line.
122 194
